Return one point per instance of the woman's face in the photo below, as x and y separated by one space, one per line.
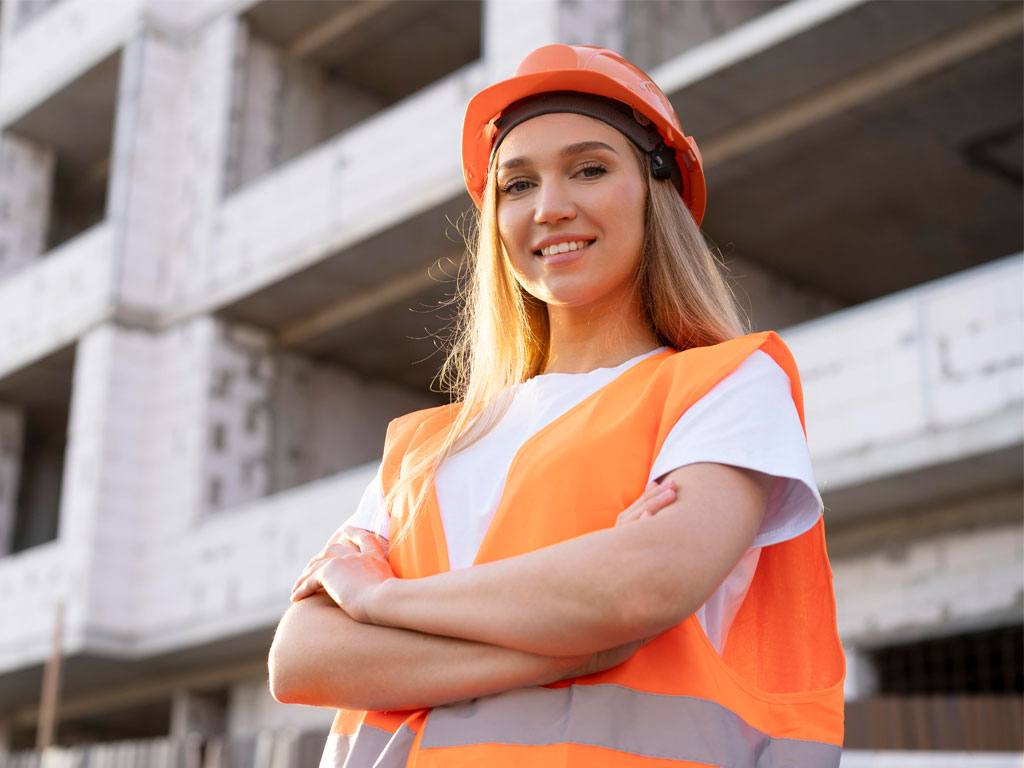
570 206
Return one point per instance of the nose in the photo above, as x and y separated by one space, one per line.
553 203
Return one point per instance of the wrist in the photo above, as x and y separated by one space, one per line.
382 601
573 666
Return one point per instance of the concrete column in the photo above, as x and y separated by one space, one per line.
167 162
861 675
215 58
26 188
5 739
7 11
593 22
198 713
145 169
12 426
107 479
513 28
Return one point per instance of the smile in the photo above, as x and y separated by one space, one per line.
560 248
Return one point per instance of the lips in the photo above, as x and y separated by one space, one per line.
554 254
554 246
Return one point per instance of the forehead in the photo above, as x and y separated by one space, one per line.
546 135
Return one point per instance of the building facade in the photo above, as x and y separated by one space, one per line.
227 227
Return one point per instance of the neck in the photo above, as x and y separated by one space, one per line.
583 339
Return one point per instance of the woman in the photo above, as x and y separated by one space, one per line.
625 472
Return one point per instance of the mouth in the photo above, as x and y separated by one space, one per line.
563 251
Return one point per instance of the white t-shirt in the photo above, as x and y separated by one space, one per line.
747 420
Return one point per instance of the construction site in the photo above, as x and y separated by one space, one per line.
229 231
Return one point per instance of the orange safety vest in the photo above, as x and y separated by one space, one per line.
775 696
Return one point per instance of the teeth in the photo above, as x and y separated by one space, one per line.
571 245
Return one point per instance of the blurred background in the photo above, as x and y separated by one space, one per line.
216 223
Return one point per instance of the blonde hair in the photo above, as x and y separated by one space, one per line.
500 336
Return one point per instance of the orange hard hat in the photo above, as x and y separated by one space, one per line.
581 69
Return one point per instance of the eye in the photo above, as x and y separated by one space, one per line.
592 171
515 185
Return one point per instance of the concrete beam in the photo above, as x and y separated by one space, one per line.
350 16
351 309
765 31
866 86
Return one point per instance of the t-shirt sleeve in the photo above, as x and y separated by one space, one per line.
371 515
749 420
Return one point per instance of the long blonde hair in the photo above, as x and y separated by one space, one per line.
500 337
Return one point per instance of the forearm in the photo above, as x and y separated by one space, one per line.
599 590
576 597
322 657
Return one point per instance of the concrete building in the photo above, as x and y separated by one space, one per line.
216 223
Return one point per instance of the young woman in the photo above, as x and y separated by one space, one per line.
625 472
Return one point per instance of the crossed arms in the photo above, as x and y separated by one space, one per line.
358 639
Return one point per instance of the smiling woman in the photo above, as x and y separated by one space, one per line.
608 550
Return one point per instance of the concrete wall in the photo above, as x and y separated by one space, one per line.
26 184
915 379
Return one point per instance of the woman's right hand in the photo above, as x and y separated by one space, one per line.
655 497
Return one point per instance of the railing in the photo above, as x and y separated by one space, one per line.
913 759
266 749
291 750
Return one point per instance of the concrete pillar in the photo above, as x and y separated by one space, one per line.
167 162
214 61
7 12
513 28
145 166
26 188
593 22
12 426
861 675
107 478
5 740
202 713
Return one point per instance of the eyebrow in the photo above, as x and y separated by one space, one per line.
567 151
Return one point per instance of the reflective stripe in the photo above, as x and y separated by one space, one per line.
369 747
622 719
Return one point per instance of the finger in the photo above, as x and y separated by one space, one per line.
369 543
339 549
660 501
313 565
304 588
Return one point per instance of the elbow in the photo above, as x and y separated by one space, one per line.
645 616
281 677
651 602
296 677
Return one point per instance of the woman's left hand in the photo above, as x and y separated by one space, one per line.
348 569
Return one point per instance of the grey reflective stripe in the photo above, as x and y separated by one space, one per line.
369 747
623 719
335 751
396 753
